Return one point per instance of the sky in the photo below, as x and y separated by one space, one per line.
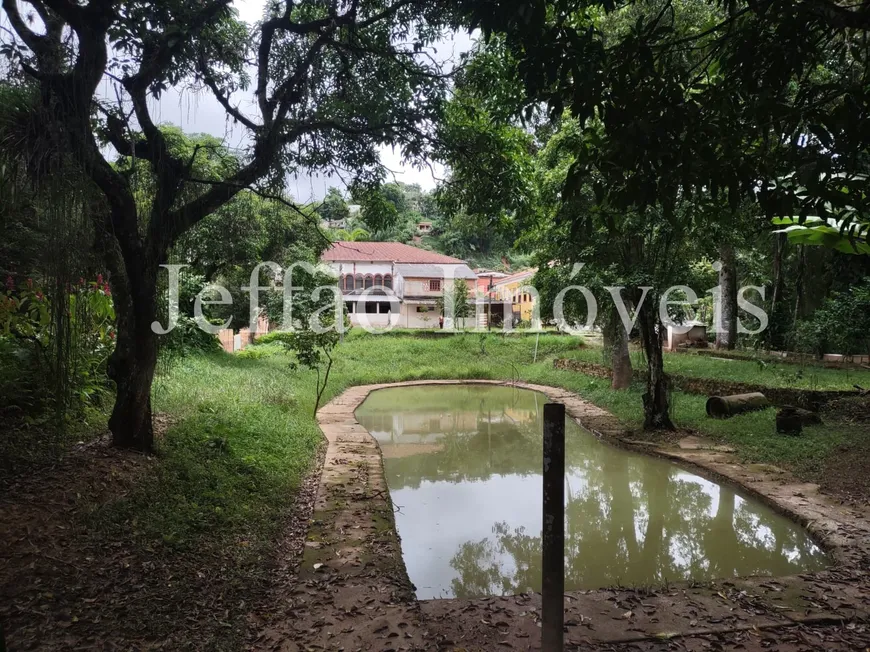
199 112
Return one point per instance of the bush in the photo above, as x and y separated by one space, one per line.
70 367
841 325
262 350
188 338
21 376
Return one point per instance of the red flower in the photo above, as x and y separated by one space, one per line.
10 284
111 335
81 281
106 290
30 283
99 279
38 295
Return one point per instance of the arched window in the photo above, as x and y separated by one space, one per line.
369 280
359 282
348 282
388 281
379 280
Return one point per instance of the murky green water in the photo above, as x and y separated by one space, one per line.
463 464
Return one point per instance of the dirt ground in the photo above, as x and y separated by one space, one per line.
338 582
846 473
64 586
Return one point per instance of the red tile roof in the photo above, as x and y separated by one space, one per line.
395 252
517 276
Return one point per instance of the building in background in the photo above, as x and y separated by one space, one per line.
393 283
513 289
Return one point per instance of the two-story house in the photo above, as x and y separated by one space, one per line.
393 283
515 290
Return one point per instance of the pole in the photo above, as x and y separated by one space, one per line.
537 337
489 306
553 538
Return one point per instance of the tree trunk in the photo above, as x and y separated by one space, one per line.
656 408
799 288
773 330
726 335
616 352
134 360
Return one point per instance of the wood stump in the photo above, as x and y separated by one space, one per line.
791 420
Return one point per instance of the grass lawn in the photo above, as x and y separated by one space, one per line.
757 372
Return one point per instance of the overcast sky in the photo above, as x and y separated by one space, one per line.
200 113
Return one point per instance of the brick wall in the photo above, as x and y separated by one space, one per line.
227 336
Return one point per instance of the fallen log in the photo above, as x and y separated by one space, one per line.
722 407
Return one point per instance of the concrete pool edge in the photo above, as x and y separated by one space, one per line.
353 567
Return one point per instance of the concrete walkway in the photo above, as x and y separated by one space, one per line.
353 592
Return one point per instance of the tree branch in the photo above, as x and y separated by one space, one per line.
34 41
272 197
157 56
838 16
224 100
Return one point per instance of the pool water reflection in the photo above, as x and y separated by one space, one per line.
463 464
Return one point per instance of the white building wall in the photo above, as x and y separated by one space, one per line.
361 268
410 318
419 287
407 317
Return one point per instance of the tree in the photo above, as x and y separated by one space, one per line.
692 101
357 235
455 301
330 81
333 208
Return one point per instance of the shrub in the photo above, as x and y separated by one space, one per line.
188 338
841 325
64 336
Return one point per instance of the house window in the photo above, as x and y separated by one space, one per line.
358 284
422 308
369 280
348 283
435 285
379 280
388 281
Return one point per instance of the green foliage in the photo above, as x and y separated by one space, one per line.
225 247
357 235
52 371
757 371
310 349
334 83
262 350
457 299
849 236
29 331
841 325
333 208
187 338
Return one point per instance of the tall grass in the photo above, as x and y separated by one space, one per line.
770 374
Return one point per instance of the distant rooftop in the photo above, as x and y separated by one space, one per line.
517 276
481 271
393 252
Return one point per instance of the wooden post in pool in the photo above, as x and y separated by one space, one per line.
553 538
